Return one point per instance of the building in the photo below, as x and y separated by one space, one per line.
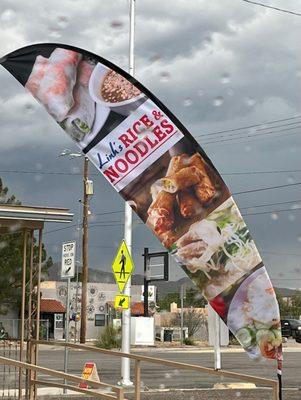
100 308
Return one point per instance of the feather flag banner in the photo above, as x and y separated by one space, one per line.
155 164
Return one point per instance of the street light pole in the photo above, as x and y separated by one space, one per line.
126 314
83 324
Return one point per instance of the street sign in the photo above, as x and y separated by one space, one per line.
122 266
68 260
89 373
122 301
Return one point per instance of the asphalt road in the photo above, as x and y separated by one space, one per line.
156 377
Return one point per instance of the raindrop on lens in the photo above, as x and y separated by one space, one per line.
29 108
167 375
291 217
55 34
75 170
290 179
38 178
201 92
116 24
187 102
62 21
299 238
274 216
230 92
225 78
162 386
8 15
218 101
39 166
250 101
248 149
164 76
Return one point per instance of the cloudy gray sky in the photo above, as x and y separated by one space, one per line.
219 65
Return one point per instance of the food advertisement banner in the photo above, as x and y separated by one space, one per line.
151 159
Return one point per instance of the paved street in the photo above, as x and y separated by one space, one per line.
157 377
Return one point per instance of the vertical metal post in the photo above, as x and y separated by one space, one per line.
29 332
217 342
38 306
126 314
67 331
83 323
22 311
182 310
146 282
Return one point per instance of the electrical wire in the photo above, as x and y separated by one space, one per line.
267 188
272 8
262 172
270 204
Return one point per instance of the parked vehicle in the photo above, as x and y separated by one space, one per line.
291 328
3 333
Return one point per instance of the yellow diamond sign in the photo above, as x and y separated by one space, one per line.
122 266
122 301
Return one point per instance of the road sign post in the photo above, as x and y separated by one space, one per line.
123 268
67 271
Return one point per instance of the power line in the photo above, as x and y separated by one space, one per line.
267 188
272 8
251 126
270 204
263 172
254 136
271 212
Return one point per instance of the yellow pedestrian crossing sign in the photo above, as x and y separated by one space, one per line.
122 266
122 301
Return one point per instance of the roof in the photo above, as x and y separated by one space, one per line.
19 217
52 306
137 308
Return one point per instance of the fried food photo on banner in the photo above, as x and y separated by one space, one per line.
184 195
218 250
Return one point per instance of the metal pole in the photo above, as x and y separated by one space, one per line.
67 331
22 311
217 342
83 324
126 314
146 282
182 316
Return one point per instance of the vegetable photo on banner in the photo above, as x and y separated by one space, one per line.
155 164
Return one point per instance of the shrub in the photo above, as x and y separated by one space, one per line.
188 341
110 338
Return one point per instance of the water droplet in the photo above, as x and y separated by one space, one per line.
38 177
167 375
299 238
3 244
230 92
164 76
187 102
155 57
75 170
162 386
291 217
225 78
55 34
218 101
62 21
39 166
116 24
295 206
274 216
201 92
248 149
290 179
176 372
250 101
238 394
8 15
298 74
29 108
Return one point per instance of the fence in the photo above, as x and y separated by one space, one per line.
11 328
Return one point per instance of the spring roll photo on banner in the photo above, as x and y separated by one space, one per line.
150 158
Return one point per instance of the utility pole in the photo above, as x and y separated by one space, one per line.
126 314
83 324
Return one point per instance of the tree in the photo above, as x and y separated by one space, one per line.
11 260
283 305
192 319
194 298
164 303
296 305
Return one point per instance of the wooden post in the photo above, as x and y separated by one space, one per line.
137 380
22 312
83 320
